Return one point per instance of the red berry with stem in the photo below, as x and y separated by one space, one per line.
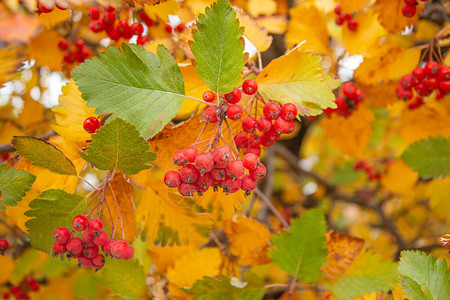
190 153
88 238
218 174
222 155
259 172
235 169
407 81
98 261
272 110
84 262
283 126
349 89
339 21
241 140
263 124
74 246
233 97
337 10
409 10
444 73
146 19
205 181
124 29
352 25
142 40
288 111
58 248
109 18
178 158
168 28
119 249
249 124
91 124
419 73
254 140
250 161
189 174
234 112
432 68
250 86
94 12
180 27
137 28
63 45
61 235
96 226
230 185
101 239
209 96
186 189
204 162
266 141
90 252
80 223
248 183
209 114
172 179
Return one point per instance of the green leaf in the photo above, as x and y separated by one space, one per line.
86 286
368 273
44 155
298 78
430 158
224 288
301 252
125 278
344 175
135 85
218 48
14 184
53 209
117 145
424 277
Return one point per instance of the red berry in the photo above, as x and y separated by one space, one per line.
59 248
254 140
189 174
218 174
337 10
248 183
101 239
98 261
209 96
5 156
234 112
47 8
249 124
241 140
168 28
88 238
124 29
253 150
250 86
109 8
209 114
432 82
407 81
109 18
91 124
409 10
419 73
250 161
416 104
146 19
263 124
235 169
444 86
288 111
410 2
119 249
90 252
190 153
186 189
113 33
432 68
444 73
96 226
180 27
230 185
222 155
404 94
272 110
233 97
422 88
34 287
63 45
266 141
94 12
137 29
349 89
178 158
142 40
97 26
205 181
79 43
259 172
359 97
347 16
339 21
5 295
84 262
352 25
283 126
61 235
107 246
172 179
204 162
129 253
80 223
342 107
74 246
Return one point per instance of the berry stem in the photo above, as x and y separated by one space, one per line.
88 183
105 184
200 135
199 100
260 64
232 138
118 210
272 208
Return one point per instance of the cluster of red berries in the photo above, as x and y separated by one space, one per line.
348 101
46 6
179 28
115 32
79 55
362 165
91 124
200 171
22 291
4 245
345 17
410 8
424 80
86 248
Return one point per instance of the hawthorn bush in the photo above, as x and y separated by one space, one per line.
225 149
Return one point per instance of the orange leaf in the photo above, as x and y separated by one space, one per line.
391 17
11 59
17 27
44 49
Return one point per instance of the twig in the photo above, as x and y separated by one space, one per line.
272 208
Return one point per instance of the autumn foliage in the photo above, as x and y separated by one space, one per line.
225 149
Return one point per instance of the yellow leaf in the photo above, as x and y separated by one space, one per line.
308 24
428 120
162 10
54 17
249 241
124 194
194 87
164 219
16 214
275 24
192 267
404 64
32 115
220 205
141 179
391 17
11 59
438 191
7 131
165 257
380 95
261 7
257 35
71 113
45 51
8 266
350 135
349 6
399 179
368 34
